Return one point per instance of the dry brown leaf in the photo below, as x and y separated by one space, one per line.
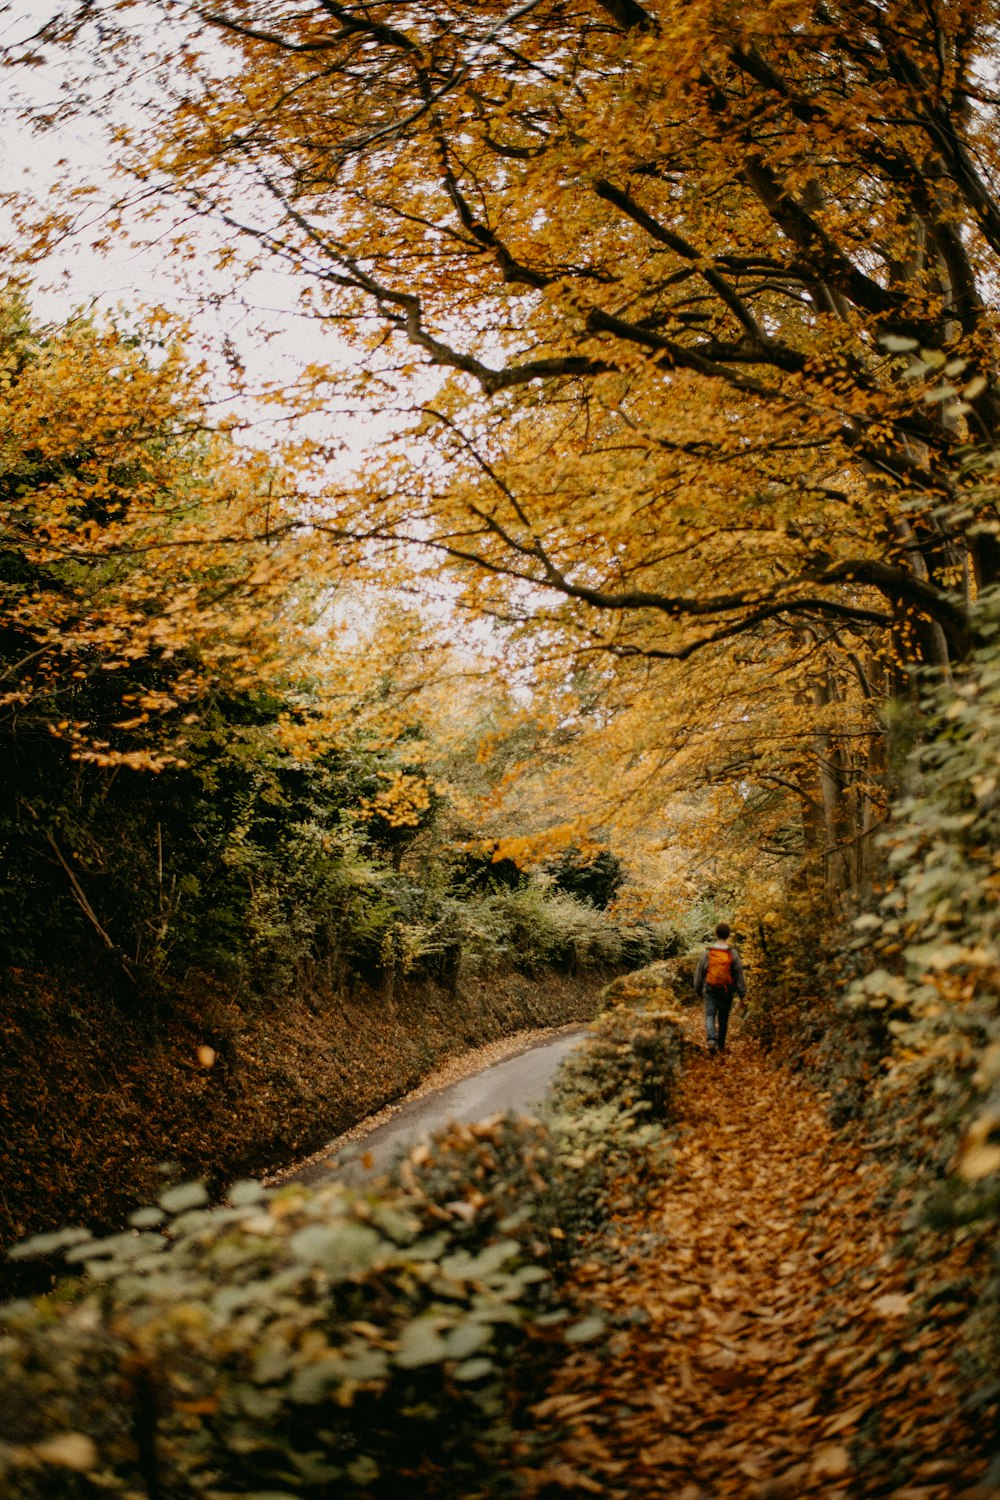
832 1461
565 1405
892 1305
684 1296
668 1450
571 1480
849 1418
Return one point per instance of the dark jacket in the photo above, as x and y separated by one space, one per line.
739 981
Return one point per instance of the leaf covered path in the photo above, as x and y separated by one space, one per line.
768 1342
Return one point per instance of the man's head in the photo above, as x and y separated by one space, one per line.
722 929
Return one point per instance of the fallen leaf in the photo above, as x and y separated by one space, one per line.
832 1461
848 1418
892 1305
68 1450
565 1478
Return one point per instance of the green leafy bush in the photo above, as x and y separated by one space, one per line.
594 877
530 928
291 1342
666 984
601 1133
630 1058
608 1107
930 980
802 961
898 1009
252 865
931 949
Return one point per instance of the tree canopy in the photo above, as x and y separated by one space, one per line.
699 244
682 314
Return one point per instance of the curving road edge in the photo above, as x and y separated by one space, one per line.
518 1085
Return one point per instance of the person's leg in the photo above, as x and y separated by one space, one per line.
711 1011
725 1005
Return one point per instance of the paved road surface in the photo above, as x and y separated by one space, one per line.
519 1084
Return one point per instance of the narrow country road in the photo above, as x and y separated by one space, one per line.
517 1084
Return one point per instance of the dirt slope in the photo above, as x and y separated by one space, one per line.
767 1341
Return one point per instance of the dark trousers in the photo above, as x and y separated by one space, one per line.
718 1004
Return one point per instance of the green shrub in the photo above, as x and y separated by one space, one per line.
552 1182
594 877
294 1343
607 1110
666 984
898 1011
630 1058
644 942
253 866
531 928
930 980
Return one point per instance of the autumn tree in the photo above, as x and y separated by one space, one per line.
135 580
701 295
715 238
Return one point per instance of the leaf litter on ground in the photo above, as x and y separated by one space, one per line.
769 1342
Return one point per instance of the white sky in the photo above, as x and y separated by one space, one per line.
80 150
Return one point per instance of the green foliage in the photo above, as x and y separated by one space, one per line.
287 1343
595 878
543 927
802 962
660 988
610 1101
257 866
601 1137
482 872
529 927
931 970
899 1008
301 1343
932 947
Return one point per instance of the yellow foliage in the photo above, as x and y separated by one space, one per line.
681 313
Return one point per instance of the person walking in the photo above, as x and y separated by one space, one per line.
718 977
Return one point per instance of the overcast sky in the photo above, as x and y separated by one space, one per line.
79 149
258 320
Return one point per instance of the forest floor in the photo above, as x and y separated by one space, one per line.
769 1342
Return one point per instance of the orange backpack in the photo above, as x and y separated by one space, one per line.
719 973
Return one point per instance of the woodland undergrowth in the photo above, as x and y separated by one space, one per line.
686 1281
